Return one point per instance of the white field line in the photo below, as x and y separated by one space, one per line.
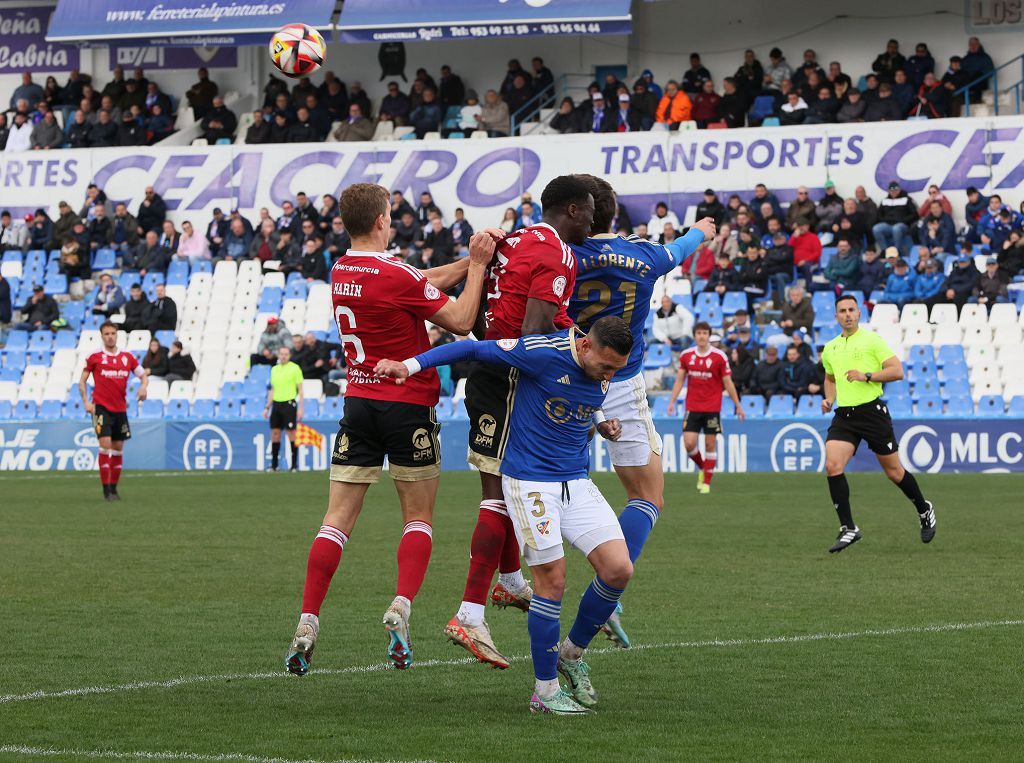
128 474
382 666
225 757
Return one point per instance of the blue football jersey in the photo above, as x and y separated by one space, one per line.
616 276
549 439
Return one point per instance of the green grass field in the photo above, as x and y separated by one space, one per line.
754 642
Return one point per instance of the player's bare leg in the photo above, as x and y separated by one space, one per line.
645 491
906 482
417 499
343 506
543 624
690 440
468 628
837 455
710 461
613 568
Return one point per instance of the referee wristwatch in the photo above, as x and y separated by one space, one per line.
867 376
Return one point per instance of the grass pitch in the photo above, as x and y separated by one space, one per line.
198 577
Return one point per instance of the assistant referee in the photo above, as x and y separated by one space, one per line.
857 363
284 406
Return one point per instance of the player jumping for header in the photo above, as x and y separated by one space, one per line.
110 369
616 276
563 381
857 363
709 373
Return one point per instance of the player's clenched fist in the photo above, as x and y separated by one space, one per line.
481 248
395 369
707 227
610 429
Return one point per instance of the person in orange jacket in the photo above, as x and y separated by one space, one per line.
675 106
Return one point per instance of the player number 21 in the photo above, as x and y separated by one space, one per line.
604 299
350 318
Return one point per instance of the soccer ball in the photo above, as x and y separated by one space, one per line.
297 50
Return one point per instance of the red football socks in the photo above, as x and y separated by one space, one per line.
696 457
413 557
115 460
710 460
486 549
104 463
324 557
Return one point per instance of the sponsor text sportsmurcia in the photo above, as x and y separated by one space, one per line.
213 11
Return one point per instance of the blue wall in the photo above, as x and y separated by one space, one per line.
767 445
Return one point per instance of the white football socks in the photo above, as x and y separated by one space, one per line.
546 689
470 613
569 651
310 619
514 582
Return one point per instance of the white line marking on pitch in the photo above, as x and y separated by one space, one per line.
382 666
226 757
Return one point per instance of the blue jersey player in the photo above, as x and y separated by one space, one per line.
616 276
563 380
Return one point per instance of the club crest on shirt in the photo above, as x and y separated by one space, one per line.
558 286
507 344
604 386
430 291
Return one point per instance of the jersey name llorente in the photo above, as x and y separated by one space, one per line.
532 263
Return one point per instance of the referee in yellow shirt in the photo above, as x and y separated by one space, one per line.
857 363
284 406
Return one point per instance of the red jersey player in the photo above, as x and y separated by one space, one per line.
530 285
708 370
380 304
110 370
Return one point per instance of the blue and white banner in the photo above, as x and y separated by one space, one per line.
182 23
422 20
775 445
24 47
485 176
154 58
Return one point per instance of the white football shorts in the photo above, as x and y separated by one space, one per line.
627 401
543 513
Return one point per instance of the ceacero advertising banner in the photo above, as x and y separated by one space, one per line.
768 445
485 176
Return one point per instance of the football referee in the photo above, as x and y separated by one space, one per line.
857 363
284 406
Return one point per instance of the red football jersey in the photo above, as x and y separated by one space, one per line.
110 372
532 262
704 374
380 304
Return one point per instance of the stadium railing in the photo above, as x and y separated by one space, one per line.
1017 88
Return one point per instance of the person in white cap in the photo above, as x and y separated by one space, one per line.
598 115
627 119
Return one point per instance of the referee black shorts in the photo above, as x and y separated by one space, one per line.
490 393
284 415
869 422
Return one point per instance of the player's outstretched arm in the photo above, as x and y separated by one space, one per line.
83 390
453 352
444 277
701 231
730 390
676 389
459 315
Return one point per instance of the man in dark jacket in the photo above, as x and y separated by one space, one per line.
885 108
5 300
896 215
219 122
797 374
959 285
152 212
952 80
100 229
136 310
39 312
104 132
767 379
313 266
643 102
873 272
131 132
427 116
749 77
711 207
976 63
440 243
302 131
148 256
798 312
259 131
992 285
778 261
723 277
337 242
314 359
163 313
886 64
695 77
451 91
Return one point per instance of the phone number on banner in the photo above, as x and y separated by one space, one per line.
508 30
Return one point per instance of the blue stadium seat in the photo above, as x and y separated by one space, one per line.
706 300
127 279
728 409
686 300
177 274
954 369
261 374
150 280
733 301
925 372
310 408
826 333
15 359
296 289
177 409
659 407
151 409
855 293
40 358
762 108
202 266
658 356
73 407
333 407
713 316
74 313
876 296
445 409
459 412
927 387
897 389
270 300
824 304
51 410
11 375
17 340
40 340
456 135
808 406
961 406
1016 408
921 353
12 255
753 405
104 259
203 409
951 353
929 405
770 122
827 253
254 405
254 387
991 407
5 410
779 407
959 387
25 409
229 408
901 407
165 337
